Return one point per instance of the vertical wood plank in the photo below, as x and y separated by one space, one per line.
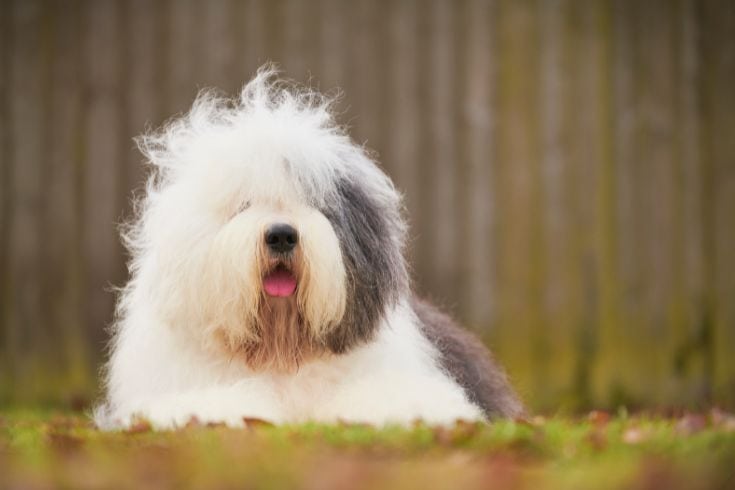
588 195
273 20
103 169
145 49
628 180
718 54
333 53
254 41
184 55
367 78
422 219
519 193
604 229
27 138
441 237
479 120
6 177
63 214
656 102
332 45
219 59
401 157
300 48
556 137
689 355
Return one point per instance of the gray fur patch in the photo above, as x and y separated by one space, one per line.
371 239
469 363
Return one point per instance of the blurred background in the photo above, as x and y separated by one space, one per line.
568 167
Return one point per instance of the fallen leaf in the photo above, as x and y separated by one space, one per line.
252 423
524 421
691 424
460 432
139 427
599 418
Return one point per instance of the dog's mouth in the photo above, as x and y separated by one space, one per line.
280 282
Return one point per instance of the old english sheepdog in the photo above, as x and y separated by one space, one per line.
268 280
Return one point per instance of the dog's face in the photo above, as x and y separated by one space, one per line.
266 235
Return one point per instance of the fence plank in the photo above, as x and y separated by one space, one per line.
219 45
401 156
62 276
366 77
145 51
718 48
442 276
557 99
690 354
26 135
103 173
479 127
301 48
517 187
332 46
253 35
6 177
656 102
183 62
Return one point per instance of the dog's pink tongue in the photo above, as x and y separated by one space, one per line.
280 283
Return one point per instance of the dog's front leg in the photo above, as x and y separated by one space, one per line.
229 404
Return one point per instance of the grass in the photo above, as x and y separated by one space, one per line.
41 449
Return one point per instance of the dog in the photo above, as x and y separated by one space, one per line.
268 280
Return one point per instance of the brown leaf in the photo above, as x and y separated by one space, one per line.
139 426
691 424
599 418
460 432
252 423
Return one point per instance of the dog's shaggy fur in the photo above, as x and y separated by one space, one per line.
224 318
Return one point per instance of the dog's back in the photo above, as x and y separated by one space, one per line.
468 362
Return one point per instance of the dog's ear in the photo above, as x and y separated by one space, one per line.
369 224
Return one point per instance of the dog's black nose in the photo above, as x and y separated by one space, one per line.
281 238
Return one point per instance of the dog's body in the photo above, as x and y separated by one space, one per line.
268 281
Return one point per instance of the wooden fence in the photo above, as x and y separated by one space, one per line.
568 167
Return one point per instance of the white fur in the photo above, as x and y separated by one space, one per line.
393 380
221 175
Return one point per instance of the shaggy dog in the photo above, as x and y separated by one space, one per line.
268 280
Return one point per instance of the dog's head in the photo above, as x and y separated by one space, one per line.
265 234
